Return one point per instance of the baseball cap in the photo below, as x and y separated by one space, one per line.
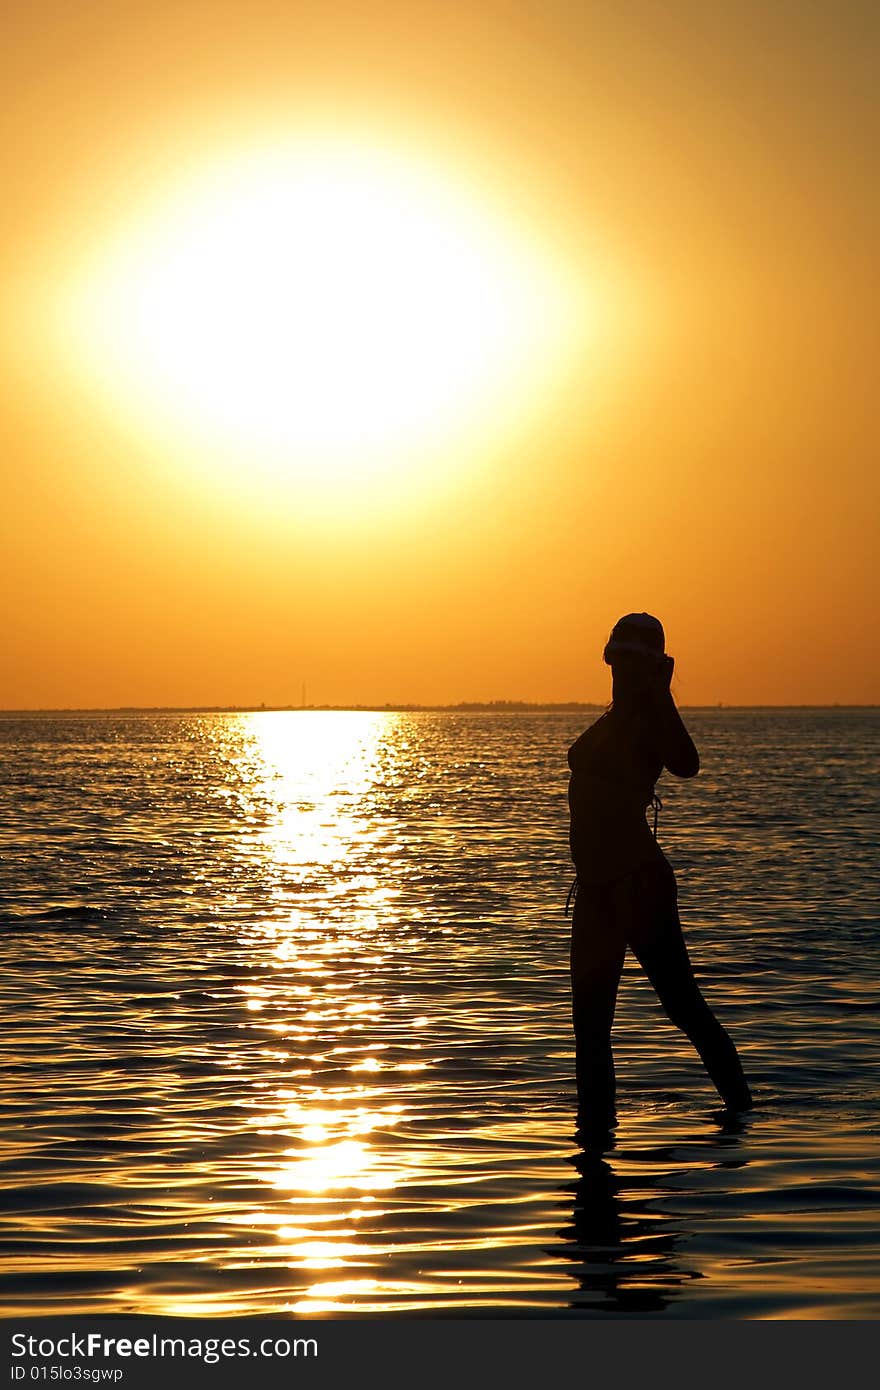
636 632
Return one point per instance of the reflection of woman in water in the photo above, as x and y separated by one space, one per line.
625 889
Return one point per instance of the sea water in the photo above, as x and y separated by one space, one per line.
286 1022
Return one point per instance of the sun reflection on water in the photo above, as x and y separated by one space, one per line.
311 775
314 768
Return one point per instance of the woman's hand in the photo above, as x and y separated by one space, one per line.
661 677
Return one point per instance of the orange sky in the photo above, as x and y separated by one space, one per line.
707 453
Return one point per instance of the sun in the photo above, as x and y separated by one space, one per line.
324 307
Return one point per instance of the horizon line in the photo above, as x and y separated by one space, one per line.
394 707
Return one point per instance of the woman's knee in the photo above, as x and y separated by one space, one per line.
688 1010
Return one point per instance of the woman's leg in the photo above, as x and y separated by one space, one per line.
598 947
658 942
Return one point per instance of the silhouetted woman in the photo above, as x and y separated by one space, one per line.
625 889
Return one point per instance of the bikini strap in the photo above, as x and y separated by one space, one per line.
572 893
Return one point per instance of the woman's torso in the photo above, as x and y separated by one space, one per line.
614 766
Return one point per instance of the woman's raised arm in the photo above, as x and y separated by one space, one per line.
677 748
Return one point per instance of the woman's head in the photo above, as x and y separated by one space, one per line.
634 651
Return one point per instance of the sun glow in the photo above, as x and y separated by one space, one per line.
324 308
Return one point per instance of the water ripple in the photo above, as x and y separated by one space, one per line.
287 1023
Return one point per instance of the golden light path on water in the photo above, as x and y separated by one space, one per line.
317 771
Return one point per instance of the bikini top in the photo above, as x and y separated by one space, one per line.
621 754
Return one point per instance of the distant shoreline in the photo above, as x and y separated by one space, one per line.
464 707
